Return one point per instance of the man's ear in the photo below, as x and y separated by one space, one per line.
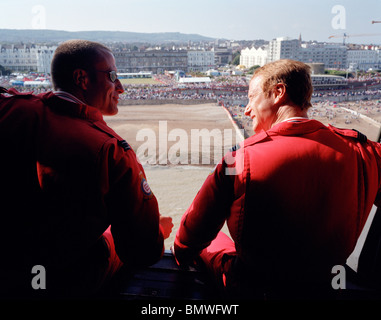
280 94
81 78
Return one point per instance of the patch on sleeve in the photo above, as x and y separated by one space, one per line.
124 144
144 187
235 148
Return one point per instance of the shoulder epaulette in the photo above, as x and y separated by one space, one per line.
259 137
361 137
351 133
256 138
235 148
104 128
124 144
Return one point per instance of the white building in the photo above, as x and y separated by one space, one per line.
200 60
19 57
44 58
283 48
22 57
363 59
279 48
254 56
333 56
195 80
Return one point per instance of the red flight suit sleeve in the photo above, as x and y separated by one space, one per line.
376 148
132 207
206 215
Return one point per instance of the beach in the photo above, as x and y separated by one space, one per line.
176 184
175 171
364 116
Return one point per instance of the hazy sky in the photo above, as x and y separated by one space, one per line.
231 19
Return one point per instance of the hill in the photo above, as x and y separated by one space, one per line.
45 36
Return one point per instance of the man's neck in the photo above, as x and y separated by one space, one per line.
68 96
289 112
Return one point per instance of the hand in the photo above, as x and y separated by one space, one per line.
167 225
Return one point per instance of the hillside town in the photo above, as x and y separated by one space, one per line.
218 72
202 56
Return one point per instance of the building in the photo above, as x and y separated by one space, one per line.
26 57
254 57
316 68
156 61
194 80
18 57
200 60
283 48
136 75
327 81
44 58
360 59
222 56
279 48
334 56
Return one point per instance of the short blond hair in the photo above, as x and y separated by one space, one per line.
295 75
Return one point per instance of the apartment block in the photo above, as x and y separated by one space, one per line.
200 60
156 61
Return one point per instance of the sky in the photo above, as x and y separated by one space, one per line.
228 19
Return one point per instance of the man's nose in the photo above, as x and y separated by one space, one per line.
247 110
119 86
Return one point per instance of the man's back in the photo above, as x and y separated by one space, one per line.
295 199
308 196
295 206
63 182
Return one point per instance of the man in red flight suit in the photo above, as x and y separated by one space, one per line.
295 198
66 177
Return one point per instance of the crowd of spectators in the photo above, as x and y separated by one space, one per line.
168 88
231 92
219 88
337 114
349 94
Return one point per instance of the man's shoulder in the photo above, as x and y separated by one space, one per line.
20 105
253 140
21 99
349 133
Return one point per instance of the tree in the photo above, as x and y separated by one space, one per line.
236 59
4 72
252 69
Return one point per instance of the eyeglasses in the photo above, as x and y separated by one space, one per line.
112 74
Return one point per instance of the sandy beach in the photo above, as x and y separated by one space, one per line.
175 133
364 116
165 131
175 185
